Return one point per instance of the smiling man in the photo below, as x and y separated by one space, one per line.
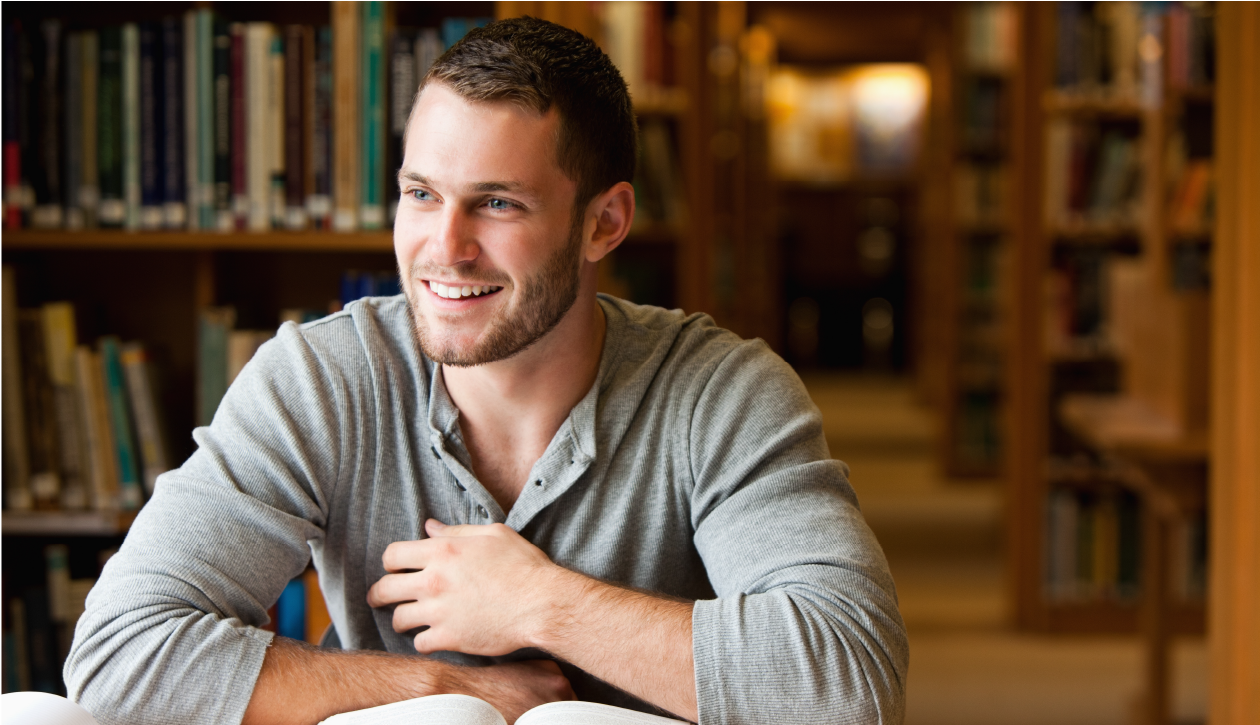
511 487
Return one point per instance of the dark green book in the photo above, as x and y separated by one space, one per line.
112 210
223 217
130 493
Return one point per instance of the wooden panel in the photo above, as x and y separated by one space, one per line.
1234 649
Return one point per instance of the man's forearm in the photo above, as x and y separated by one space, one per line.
638 642
302 685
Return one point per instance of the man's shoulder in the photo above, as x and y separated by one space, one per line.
364 333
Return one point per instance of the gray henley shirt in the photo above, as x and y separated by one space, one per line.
695 466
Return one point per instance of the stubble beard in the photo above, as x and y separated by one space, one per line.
545 297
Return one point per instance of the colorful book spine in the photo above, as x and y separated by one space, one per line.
346 115
308 117
205 119
40 411
275 129
174 202
89 190
59 343
72 105
402 88
240 178
143 397
192 132
212 352
131 124
17 463
102 465
151 124
294 171
109 136
319 203
372 84
46 173
257 171
129 487
224 219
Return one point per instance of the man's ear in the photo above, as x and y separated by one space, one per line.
608 220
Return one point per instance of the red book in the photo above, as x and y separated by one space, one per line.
240 187
294 177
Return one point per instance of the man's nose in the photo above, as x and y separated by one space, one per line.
453 241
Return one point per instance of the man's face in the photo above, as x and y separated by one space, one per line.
487 249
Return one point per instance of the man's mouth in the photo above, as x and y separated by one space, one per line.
455 292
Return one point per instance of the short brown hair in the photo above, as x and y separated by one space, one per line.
538 64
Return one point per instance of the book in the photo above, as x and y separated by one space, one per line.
152 123
294 126
402 89
28 112
59 342
346 115
257 162
240 129
40 411
10 126
112 210
373 130
130 495
274 144
46 171
17 464
131 124
192 133
241 346
224 217
142 394
429 48
317 618
99 451
72 154
212 368
174 201
319 202
89 186
291 610
204 43
450 709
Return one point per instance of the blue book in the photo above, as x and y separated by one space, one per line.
130 494
212 360
291 611
172 140
152 123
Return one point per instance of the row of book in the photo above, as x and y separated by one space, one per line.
983 119
990 36
39 623
1111 50
1077 304
195 122
1094 547
1191 45
1093 176
981 195
83 428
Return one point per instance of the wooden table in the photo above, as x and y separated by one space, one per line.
1167 468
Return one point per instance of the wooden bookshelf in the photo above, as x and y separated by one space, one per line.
178 241
66 523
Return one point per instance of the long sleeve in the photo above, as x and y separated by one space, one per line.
805 627
171 629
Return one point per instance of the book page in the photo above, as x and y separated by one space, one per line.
431 710
589 713
41 708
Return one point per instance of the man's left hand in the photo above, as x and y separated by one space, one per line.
480 590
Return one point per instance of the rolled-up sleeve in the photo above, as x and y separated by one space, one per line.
805 627
171 630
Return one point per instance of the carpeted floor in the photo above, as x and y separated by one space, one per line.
943 542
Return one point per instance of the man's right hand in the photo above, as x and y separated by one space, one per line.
516 687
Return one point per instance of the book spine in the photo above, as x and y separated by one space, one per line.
240 184
28 122
309 73
89 189
109 134
257 45
151 123
101 465
12 149
291 610
141 393
131 124
402 76
319 205
40 410
224 219
174 203
47 177
212 350
72 154
294 173
275 129
130 495
17 463
59 342
41 641
205 119
372 210
346 105
192 132
428 49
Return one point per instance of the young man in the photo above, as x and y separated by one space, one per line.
500 471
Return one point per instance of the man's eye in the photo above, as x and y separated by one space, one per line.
500 204
421 195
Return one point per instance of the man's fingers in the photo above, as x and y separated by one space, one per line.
393 588
436 529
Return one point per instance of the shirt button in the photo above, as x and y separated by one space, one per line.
481 511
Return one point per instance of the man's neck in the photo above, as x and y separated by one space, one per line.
511 409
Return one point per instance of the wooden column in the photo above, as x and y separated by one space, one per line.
1234 597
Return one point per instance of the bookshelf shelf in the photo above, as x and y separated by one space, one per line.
66 523
1092 104
656 101
375 241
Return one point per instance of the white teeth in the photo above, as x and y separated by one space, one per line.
452 293
455 293
476 289
466 290
433 286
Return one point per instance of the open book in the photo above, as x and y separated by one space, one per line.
465 710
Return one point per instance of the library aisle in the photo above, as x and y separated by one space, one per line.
968 666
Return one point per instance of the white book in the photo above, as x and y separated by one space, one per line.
257 99
131 124
465 710
192 178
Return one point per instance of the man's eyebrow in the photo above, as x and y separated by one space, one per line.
480 187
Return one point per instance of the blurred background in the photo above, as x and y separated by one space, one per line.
987 235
